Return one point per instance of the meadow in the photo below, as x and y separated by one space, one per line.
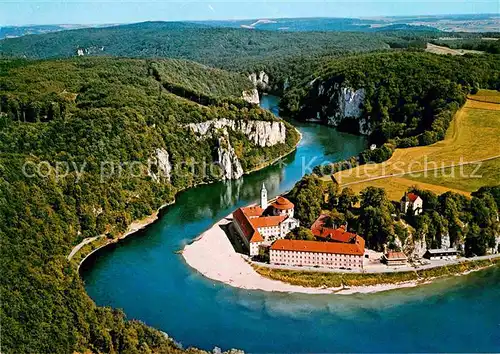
470 148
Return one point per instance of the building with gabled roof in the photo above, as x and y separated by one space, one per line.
441 253
412 201
262 225
322 233
392 258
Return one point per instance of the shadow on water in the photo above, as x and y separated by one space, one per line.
144 276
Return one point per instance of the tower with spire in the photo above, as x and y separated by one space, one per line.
263 197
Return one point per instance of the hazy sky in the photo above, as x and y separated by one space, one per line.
20 12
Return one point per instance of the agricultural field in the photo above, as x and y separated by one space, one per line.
437 49
470 148
475 176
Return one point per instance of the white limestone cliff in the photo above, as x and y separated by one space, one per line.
261 133
260 80
415 249
343 103
227 159
159 165
445 241
348 103
251 96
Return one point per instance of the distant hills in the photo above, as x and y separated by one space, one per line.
18 31
452 23
222 47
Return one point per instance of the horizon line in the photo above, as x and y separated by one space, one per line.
496 15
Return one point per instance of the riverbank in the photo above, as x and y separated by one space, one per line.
213 255
269 163
88 246
373 281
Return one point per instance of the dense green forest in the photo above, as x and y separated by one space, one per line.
471 224
410 97
228 48
60 121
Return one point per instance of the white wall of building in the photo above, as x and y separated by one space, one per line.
328 260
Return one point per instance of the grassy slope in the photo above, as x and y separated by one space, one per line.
473 135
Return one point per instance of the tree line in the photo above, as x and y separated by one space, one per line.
470 223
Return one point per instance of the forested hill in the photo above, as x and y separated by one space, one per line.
223 47
88 145
406 97
53 86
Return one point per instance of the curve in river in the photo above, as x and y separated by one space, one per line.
144 276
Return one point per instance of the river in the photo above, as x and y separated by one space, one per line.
146 278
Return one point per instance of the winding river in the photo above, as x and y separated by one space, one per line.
146 278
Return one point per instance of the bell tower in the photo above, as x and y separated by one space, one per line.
263 197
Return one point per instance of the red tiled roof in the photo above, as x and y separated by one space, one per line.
267 221
253 211
282 203
357 248
412 196
251 234
339 235
395 256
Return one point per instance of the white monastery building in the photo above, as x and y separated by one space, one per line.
264 224
317 253
411 201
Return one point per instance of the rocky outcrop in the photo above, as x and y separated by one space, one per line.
496 248
338 102
445 241
159 166
415 249
251 96
348 103
227 159
261 133
89 51
260 80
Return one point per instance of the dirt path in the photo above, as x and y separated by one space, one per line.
81 244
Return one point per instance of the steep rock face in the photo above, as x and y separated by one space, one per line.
260 80
252 96
496 249
159 165
338 102
227 159
445 241
415 249
348 103
261 133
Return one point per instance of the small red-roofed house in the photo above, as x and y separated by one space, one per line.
392 258
412 201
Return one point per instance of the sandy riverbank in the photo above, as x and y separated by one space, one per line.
213 255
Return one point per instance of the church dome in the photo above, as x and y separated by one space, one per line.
282 203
